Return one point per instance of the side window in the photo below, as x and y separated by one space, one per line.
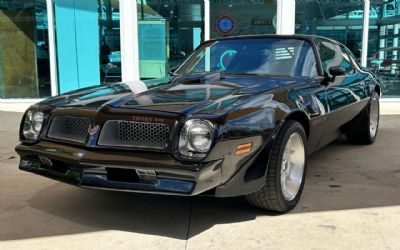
346 63
327 54
333 55
355 61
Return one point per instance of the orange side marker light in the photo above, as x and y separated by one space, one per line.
244 148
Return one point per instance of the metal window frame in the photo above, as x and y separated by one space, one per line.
207 20
52 48
285 17
365 33
129 40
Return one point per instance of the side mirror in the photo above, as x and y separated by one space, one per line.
337 71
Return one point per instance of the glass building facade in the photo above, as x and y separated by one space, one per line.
54 46
175 28
247 17
24 57
343 21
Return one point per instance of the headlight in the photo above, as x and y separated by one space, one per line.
196 138
32 124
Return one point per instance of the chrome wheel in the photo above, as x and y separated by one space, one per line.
285 172
292 166
374 117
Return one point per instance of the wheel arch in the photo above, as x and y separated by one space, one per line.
251 176
302 118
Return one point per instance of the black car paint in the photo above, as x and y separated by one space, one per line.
244 108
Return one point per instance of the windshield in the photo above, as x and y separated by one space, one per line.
258 56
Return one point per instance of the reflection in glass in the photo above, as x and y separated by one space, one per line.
168 32
109 32
339 20
233 18
383 45
24 50
333 55
257 56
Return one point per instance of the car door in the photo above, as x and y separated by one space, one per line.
346 94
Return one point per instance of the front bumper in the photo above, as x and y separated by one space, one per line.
116 170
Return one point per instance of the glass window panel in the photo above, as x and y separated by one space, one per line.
88 43
168 32
109 32
339 20
24 50
383 45
244 17
327 53
261 56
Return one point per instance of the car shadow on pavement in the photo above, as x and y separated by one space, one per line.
340 176
140 213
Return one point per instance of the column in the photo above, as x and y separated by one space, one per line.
285 19
52 48
129 40
207 20
364 46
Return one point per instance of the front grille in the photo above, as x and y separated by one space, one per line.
69 128
134 134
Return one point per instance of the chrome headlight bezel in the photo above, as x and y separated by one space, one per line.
32 125
192 130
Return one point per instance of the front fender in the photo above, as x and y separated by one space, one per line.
257 116
251 175
261 117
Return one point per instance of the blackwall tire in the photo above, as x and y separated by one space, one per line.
286 171
369 129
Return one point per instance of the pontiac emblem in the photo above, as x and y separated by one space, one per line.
93 130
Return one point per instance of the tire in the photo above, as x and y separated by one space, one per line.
369 126
272 196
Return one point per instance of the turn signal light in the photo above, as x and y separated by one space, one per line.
244 148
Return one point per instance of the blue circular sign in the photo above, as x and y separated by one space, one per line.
225 24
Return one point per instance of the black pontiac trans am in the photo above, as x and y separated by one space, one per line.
238 118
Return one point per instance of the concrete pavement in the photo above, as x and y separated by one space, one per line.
351 200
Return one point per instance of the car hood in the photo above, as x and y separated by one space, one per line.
181 94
